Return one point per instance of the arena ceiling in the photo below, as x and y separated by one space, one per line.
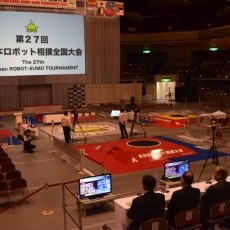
144 16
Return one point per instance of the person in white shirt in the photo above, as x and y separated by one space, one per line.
66 125
123 118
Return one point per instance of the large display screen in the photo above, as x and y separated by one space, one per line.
41 44
95 186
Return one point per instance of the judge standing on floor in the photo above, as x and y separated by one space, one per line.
123 118
67 126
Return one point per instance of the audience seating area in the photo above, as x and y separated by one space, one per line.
11 182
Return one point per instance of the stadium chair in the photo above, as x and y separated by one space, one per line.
187 219
156 224
4 192
5 160
218 212
1 150
11 175
18 186
3 154
7 167
1 177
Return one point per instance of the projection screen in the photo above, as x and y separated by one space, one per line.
41 44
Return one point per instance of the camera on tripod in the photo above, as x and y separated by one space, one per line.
213 125
212 151
132 107
74 113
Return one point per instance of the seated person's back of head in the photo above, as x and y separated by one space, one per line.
147 206
185 198
217 192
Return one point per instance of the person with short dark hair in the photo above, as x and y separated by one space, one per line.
183 199
215 193
66 125
28 147
123 118
147 206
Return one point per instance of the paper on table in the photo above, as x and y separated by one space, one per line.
129 204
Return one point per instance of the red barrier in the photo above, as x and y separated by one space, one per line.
12 205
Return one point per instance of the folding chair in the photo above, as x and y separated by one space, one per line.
187 219
218 212
155 224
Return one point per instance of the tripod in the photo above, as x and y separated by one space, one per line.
213 151
74 140
134 121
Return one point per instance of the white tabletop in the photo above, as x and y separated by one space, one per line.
123 204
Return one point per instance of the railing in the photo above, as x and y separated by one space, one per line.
77 222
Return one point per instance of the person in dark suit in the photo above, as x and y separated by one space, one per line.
147 206
215 193
183 199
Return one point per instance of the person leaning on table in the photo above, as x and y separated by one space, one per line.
215 193
147 206
183 199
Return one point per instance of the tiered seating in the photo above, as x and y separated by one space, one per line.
11 181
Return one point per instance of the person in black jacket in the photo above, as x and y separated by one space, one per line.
74 114
147 206
215 193
183 199
28 147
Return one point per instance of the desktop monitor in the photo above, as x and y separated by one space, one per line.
115 113
95 186
174 170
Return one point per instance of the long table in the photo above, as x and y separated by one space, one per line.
123 204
